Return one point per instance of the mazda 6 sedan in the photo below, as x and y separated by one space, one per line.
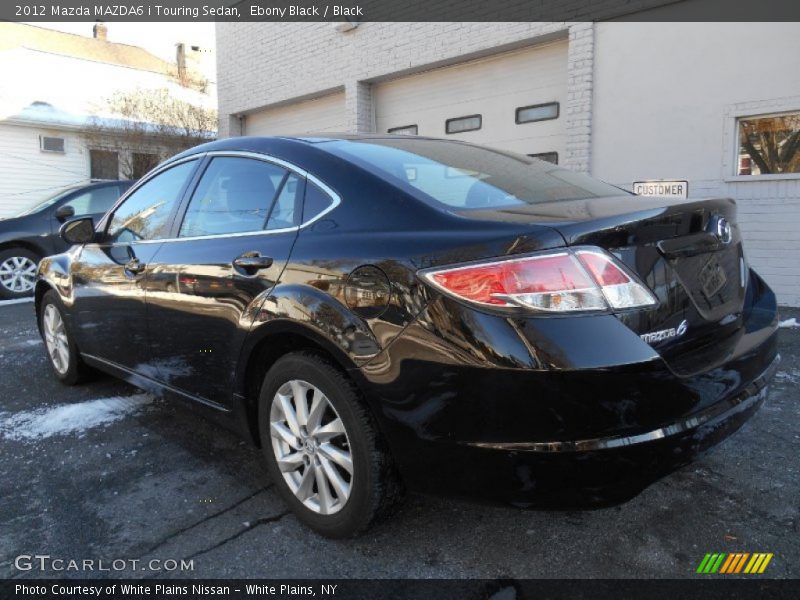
382 313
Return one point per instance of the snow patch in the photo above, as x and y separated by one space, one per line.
789 323
65 419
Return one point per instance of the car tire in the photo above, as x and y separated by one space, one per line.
15 272
62 353
354 500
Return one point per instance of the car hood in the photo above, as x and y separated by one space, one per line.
14 225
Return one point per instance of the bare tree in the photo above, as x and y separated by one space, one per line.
148 126
773 143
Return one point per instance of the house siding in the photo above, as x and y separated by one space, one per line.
31 175
677 120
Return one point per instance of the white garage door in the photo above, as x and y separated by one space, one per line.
493 88
321 114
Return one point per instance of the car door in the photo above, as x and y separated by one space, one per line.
109 277
93 202
230 247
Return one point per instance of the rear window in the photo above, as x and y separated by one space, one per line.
461 176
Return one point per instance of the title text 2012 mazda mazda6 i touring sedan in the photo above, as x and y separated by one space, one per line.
382 313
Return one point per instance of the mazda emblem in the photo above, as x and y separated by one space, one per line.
721 228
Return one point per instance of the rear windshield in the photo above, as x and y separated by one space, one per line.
463 177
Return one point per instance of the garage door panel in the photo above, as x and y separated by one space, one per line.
318 115
492 87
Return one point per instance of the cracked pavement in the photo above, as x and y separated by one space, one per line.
163 483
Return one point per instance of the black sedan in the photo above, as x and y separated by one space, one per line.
32 234
382 313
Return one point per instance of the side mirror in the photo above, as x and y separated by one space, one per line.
65 212
78 231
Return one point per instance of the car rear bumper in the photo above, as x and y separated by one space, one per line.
585 472
605 471
560 438
724 411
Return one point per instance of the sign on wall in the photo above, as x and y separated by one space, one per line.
662 187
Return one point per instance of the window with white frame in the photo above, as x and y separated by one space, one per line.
768 144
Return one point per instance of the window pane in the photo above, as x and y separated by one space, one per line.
286 210
463 176
551 157
145 214
80 204
405 130
51 144
769 145
539 112
95 201
316 201
143 164
461 124
104 165
233 196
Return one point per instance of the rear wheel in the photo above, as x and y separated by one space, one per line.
61 349
322 448
17 273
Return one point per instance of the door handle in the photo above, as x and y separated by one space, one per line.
251 262
135 266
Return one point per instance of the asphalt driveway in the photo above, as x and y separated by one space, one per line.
103 471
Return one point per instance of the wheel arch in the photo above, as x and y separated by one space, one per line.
275 340
42 287
24 244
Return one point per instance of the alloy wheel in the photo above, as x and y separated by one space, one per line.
311 447
18 274
55 336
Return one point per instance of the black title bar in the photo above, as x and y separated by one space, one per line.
400 10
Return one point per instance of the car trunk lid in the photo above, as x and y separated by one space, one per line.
688 252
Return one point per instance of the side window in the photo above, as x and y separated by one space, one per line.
80 204
233 196
145 214
316 202
286 211
95 201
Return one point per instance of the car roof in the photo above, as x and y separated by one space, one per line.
274 145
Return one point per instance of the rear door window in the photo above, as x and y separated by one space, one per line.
234 195
316 202
286 211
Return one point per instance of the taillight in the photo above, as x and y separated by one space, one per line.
581 279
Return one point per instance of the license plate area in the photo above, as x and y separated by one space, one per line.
712 277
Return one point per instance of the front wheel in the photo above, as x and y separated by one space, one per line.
322 448
17 273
